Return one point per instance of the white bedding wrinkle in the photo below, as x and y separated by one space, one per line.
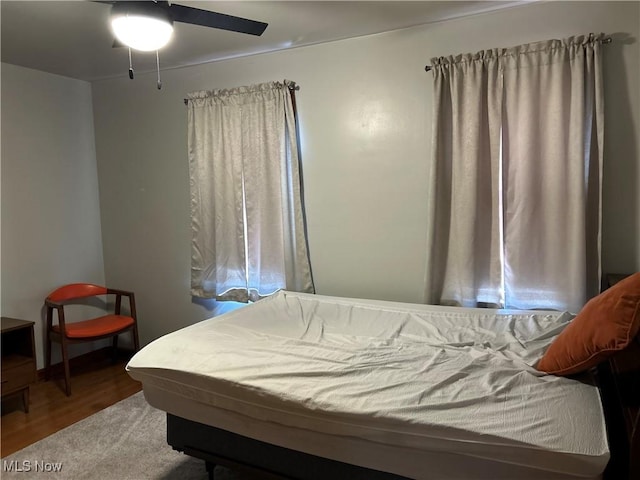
423 378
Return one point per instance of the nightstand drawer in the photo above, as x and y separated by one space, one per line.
18 355
18 377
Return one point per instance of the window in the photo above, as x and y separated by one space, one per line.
516 180
248 235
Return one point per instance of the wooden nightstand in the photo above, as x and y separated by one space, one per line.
18 358
622 373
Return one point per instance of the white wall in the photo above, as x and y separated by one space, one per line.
365 110
50 206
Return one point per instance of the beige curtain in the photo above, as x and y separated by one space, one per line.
248 232
517 176
465 265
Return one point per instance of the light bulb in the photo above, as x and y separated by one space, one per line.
141 32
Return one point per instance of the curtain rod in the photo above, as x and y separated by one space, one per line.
290 84
605 40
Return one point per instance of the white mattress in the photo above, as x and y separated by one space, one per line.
402 385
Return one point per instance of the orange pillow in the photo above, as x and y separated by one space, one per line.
606 324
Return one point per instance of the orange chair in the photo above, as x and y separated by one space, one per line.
88 330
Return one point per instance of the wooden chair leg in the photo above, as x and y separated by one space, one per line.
114 353
65 361
136 342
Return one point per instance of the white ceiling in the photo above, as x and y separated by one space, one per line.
72 38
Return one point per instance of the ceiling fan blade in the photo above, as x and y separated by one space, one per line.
206 18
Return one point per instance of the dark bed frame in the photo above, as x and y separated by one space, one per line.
618 380
264 460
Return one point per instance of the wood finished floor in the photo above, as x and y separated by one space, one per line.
93 388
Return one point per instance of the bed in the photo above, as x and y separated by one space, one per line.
317 387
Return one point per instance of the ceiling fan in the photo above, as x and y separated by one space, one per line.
148 25
138 21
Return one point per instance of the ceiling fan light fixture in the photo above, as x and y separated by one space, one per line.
141 28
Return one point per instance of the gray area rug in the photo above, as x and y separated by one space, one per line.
126 441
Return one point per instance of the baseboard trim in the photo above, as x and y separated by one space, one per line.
95 356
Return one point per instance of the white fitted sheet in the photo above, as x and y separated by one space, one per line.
419 379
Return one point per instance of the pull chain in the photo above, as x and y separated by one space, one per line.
130 65
158 67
